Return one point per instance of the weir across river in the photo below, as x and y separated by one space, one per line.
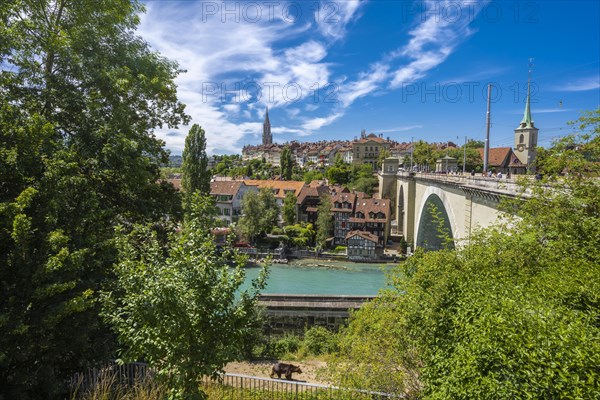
294 313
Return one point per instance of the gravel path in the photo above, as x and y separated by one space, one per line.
262 369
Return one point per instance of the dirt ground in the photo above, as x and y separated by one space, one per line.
310 369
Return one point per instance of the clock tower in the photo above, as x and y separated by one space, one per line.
526 135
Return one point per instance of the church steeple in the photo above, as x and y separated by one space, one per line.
267 137
526 134
527 121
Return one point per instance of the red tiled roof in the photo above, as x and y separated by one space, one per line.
311 191
280 186
344 196
225 188
498 156
363 234
175 182
371 139
366 206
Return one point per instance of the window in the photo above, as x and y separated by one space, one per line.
226 211
522 138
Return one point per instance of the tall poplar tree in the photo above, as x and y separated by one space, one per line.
196 176
286 163
324 220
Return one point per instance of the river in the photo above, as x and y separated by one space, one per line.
310 276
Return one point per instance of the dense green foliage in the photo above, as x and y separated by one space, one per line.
426 154
233 166
177 307
289 208
300 235
339 172
286 163
576 153
324 221
196 176
511 314
310 176
260 213
80 96
363 179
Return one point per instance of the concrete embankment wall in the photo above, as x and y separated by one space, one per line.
295 313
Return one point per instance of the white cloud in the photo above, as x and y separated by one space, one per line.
366 83
317 123
398 129
549 110
332 17
212 52
580 85
432 42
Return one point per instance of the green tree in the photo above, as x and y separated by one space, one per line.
363 179
196 176
423 154
339 172
77 156
312 175
178 308
575 153
289 208
511 314
249 223
383 154
324 221
475 144
260 213
269 210
286 163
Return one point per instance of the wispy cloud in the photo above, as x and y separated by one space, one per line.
222 43
551 110
398 129
314 124
236 68
333 17
431 42
580 85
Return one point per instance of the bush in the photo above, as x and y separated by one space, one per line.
287 344
319 340
340 249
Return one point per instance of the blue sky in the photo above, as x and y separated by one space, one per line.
405 69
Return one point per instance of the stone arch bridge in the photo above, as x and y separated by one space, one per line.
462 203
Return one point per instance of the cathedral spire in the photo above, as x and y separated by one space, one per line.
267 137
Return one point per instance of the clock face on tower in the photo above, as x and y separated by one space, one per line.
521 147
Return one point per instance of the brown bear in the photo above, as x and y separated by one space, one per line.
286 369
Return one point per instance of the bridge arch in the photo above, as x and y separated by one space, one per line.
427 229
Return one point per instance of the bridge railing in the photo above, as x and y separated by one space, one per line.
511 184
236 386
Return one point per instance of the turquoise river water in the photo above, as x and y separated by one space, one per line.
311 276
